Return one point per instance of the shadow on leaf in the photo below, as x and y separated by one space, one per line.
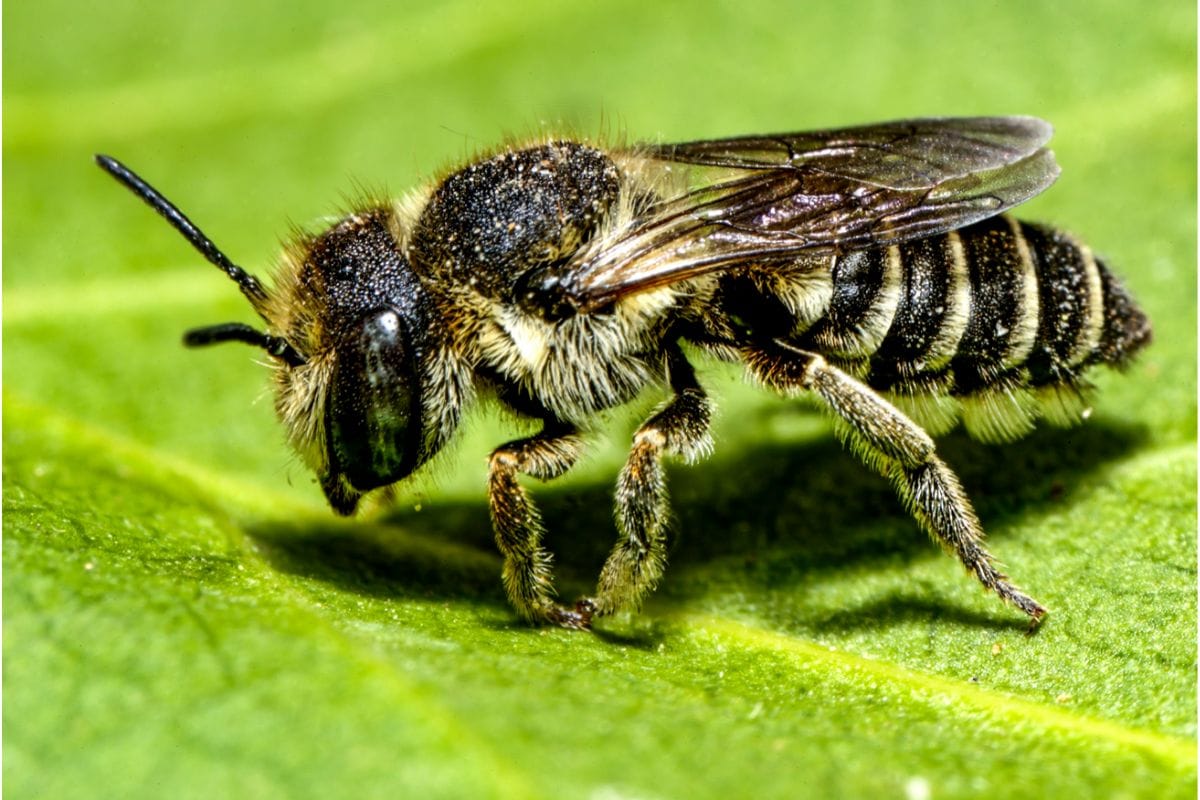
775 514
897 608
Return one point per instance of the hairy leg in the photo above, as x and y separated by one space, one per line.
637 560
518 525
892 443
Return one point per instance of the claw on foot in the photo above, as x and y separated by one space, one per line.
578 618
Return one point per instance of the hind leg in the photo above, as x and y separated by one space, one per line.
889 441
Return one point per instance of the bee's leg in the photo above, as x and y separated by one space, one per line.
886 439
679 428
518 525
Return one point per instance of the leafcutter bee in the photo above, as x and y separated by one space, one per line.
873 268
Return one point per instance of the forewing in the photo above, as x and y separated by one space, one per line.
910 154
770 199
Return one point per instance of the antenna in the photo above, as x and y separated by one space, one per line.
249 284
238 332
226 332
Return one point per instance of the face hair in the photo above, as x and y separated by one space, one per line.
250 286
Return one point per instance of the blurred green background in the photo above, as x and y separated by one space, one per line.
182 617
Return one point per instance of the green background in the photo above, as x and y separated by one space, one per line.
184 618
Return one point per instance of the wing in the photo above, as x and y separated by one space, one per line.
770 199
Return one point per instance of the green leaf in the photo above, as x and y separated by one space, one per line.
184 618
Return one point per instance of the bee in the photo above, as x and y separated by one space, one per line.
873 268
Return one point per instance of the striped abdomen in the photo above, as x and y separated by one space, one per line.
997 320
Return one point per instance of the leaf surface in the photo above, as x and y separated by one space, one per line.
183 617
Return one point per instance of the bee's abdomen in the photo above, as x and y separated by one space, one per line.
1086 316
997 320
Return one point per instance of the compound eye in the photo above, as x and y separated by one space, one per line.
372 410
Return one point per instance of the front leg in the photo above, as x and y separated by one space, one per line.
518 525
679 428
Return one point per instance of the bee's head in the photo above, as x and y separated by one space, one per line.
358 308
348 326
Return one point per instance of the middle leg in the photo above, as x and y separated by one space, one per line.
679 428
